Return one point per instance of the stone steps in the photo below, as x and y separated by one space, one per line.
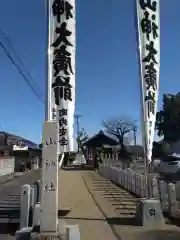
10 207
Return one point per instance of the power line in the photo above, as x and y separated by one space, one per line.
21 73
29 83
17 57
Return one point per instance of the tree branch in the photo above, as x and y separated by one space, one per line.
120 128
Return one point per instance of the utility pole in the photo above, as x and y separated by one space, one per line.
77 117
134 133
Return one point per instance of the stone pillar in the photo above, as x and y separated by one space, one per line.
128 178
25 205
142 185
172 199
155 190
123 178
50 169
133 182
163 194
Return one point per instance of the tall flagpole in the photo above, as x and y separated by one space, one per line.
47 95
137 24
60 104
148 25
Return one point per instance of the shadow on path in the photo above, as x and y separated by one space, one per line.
8 228
158 234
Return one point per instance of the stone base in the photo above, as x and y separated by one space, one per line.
66 232
149 212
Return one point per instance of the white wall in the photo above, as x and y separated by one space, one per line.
6 165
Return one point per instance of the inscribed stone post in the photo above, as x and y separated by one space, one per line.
49 200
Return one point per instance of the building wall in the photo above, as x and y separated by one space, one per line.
7 165
30 162
29 157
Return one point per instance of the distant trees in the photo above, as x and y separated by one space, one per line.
168 118
160 149
167 124
81 138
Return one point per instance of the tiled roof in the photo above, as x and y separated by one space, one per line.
19 139
101 137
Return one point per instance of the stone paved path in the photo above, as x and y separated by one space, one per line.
103 210
75 197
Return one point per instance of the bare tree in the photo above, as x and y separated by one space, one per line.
121 128
81 138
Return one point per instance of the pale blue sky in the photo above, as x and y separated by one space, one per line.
107 70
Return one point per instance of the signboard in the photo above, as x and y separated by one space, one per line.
62 69
20 148
148 20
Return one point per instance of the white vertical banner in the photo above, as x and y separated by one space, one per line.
148 20
62 48
50 104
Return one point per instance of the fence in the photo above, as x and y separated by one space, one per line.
167 193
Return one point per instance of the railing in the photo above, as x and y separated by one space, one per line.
167 193
30 196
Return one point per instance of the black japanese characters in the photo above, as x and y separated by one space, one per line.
62 131
151 4
63 141
150 99
150 30
63 127
63 12
152 212
53 113
61 7
48 165
50 142
150 76
151 53
63 112
148 25
62 61
63 33
49 187
62 89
